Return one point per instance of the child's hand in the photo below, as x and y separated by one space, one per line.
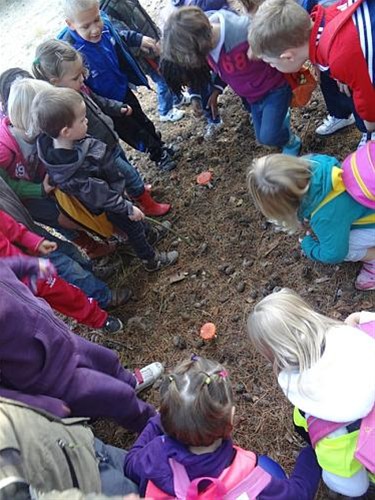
353 319
212 103
46 247
126 110
137 215
343 88
149 46
47 186
196 106
46 269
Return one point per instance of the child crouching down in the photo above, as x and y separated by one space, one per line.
326 369
82 166
309 191
46 365
187 450
193 39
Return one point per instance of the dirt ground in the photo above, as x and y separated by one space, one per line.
230 257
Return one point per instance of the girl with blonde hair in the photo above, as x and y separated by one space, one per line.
309 192
326 369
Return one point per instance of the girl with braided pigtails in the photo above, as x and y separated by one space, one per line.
187 452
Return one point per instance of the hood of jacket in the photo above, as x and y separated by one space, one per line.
340 387
320 184
87 149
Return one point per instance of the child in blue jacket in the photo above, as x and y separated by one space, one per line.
309 192
113 72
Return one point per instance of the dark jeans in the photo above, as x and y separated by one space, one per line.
111 469
137 130
134 184
338 104
136 232
45 211
269 117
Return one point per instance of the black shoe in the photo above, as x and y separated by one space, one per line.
160 261
173 150
166 163
157 232
106 266
120 297
112 325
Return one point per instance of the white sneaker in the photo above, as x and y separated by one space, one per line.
173 115
331 124
212 129
147 376
365 139
185 100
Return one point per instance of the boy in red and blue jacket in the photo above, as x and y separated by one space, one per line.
338 38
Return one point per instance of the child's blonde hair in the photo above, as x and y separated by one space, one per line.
21 96
50 57
53 109
197 402
187 37
277 26
73 7
288 332
277 184
251 6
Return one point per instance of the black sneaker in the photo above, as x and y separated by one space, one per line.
173 150
157 232
160 261
166 163
112 325
120 296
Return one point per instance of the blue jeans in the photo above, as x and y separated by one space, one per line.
136 231
338 104
166 98
269 113
77 271
111 470
134 184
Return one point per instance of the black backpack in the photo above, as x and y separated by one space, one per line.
129 14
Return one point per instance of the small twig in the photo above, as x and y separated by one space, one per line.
271 249
115 342
173 231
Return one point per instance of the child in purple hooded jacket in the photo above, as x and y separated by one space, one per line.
47 366
193 434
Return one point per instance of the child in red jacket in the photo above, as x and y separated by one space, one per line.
62 296
338 37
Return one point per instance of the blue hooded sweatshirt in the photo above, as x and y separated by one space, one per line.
332 223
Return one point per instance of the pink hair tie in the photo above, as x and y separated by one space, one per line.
223 374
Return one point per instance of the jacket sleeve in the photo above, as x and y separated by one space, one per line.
302 484
98 195
207 5
110 107
48 403
137 457
23 266
16 232
131 38
24 189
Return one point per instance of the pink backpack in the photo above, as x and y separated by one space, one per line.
359 174
242 479
364 453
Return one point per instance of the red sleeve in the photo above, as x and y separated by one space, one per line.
348 65
18 233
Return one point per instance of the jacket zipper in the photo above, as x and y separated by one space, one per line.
62 444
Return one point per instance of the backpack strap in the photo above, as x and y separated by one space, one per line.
251 486
364 452
337 189
181 481
332 27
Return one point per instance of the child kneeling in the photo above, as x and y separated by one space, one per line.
82 166
189 445
310 191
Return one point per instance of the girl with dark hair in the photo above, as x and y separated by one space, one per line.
188 449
